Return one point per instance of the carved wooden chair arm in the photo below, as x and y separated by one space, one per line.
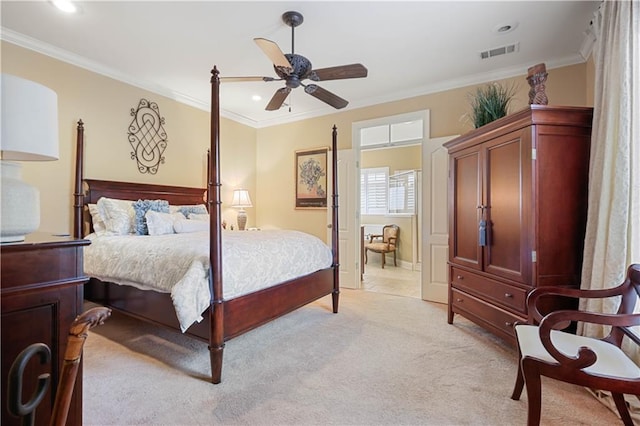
586 356
374 236
535 316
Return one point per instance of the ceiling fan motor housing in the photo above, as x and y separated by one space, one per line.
300 69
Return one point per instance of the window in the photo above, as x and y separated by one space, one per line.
405 132
402 192
373 190
381 194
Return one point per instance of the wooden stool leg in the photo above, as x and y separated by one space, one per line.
383 256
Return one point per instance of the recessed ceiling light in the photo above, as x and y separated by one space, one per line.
505 28
256 98
66 6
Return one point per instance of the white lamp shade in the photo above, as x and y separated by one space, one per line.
241 198
29 120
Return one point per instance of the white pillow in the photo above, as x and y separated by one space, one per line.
97 222
118 215
182 226
196 216
161 223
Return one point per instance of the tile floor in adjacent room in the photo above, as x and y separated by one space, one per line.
391 280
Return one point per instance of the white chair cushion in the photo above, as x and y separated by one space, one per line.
611 361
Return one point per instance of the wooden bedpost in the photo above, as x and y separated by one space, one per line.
78 195
216 314
335 228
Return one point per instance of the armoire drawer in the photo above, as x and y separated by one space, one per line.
503 294
485 314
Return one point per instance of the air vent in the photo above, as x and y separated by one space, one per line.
497 51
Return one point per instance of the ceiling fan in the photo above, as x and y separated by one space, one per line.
293 69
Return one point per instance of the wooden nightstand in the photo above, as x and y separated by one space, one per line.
41 281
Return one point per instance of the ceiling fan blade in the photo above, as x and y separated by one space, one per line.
278 99
273 52
339 73
326 96
240 79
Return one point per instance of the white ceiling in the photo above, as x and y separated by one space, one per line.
410 48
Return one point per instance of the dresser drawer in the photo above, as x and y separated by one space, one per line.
506 295
485 314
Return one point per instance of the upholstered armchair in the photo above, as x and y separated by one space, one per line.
545 350
385 243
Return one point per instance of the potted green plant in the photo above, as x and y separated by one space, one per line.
490 102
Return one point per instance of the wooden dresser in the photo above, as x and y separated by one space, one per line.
41 292
517 212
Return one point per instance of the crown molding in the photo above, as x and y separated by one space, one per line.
77 60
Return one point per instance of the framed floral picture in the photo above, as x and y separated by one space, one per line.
311 179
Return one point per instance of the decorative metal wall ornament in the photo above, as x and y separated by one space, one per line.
147 137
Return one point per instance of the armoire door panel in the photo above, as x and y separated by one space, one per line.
467 196
506 218
562 161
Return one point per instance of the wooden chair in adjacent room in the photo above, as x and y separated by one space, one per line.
75 342
545 350
387 242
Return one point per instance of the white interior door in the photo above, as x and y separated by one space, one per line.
347 235
435 252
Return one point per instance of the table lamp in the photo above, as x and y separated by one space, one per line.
29 133
241 200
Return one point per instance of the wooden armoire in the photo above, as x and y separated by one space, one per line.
517 212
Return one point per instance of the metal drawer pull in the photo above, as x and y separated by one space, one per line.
460 277
459 300
508 324
508 295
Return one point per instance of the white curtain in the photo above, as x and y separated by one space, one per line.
612 240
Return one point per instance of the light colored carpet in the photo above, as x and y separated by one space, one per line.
381 360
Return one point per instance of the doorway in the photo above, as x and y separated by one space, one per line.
390 194
423 273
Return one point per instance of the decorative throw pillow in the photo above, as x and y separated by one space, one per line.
187 210
117 215
141 207
97 222
161 223
186 226
199 216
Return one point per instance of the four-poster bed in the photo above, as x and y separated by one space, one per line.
224 318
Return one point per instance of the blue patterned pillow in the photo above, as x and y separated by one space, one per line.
196 209
141 207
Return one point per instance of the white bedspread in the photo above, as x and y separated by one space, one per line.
179 264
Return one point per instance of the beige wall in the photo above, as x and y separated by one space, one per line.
104 105
398 158
276 145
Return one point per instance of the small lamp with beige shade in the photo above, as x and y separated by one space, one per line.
241 200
